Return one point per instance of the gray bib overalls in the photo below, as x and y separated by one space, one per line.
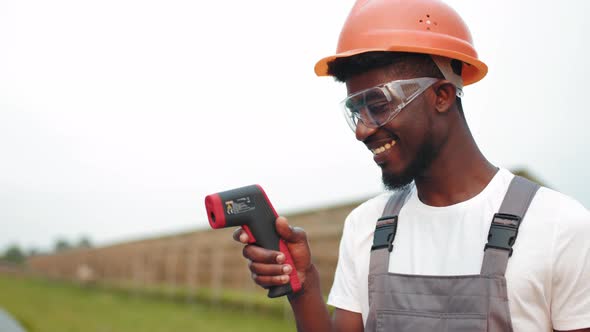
415 303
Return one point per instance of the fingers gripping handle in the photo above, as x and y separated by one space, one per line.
274 242
294 284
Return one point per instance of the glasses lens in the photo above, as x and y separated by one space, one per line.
372 107
379 107
376 106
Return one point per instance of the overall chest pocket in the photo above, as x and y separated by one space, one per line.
405 321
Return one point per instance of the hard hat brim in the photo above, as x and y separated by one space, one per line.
473 70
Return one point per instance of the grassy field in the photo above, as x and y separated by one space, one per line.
46 306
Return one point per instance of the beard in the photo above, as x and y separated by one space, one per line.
426 154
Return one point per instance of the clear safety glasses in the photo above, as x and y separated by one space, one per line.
378 105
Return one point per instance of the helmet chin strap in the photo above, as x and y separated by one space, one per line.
444 65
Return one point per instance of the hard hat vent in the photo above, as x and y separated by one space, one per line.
428 22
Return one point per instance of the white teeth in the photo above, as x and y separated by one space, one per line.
383 148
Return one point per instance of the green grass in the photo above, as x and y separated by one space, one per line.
49 306
228 298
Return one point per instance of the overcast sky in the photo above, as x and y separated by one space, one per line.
117 117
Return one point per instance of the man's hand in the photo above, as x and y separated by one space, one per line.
268 267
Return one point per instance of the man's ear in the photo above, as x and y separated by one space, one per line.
445 96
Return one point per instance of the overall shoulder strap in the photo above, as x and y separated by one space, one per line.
385 232
505 224
396 201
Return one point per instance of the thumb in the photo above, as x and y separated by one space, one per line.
288 233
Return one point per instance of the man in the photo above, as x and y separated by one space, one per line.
404 63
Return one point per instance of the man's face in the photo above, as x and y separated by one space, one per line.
404 147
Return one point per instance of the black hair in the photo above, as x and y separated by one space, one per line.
420 65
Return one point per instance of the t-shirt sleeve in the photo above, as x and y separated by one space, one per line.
345 290
570 305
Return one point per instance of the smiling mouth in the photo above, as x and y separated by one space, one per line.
383 148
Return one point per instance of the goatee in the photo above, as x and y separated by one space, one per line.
426 154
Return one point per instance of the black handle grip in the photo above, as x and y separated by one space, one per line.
277 291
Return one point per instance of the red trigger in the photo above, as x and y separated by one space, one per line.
251 238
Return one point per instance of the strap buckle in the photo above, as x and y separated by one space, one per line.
385 233
503 232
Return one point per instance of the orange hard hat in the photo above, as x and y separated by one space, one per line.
416 26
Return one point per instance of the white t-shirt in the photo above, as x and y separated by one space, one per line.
548 275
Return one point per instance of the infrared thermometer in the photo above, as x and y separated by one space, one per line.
249 207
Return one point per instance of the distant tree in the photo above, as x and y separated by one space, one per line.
14 255
84 242
61 245
33 252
